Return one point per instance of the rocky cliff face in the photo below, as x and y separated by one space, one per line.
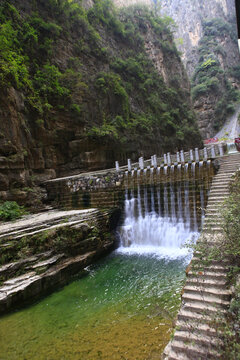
82 87
206 30
189 16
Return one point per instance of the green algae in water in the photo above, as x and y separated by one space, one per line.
122 309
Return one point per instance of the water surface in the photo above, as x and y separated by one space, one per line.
123 308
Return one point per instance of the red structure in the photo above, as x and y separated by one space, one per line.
237 143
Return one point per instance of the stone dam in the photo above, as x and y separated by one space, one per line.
150 207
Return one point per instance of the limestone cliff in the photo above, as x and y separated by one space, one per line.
82 86
206 30
189 16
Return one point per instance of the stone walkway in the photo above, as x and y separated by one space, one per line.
205 295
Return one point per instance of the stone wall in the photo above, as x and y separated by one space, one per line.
107 190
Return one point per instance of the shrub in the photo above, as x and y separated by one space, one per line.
47 82
199 90
10 210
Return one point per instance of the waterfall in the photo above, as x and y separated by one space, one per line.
151 231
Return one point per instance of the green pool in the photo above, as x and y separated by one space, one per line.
122 308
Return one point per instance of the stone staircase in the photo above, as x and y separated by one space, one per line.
205 297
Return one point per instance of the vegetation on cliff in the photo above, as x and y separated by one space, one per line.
92 66
210 78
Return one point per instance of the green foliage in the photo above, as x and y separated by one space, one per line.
110 84
235 72
10 210
13 67
199 90
47 83
114 93
106 130
231 247
232 221
209 78
217 27
103 12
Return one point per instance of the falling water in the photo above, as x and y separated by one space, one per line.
147 230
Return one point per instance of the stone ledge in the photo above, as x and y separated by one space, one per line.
64 243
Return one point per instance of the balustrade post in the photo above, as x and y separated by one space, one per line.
213 151
205 154
129 165
117 166
196 154
141 163
165 159
220 147
178 157
152 160
182 156
155 161
169 161
191 155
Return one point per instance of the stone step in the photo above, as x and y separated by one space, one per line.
210 244
203 300
195 352
212 210
193 337
217 192
212 229
222 177
191 315
217 264
172 355
196 326
215 273
228 172
206 282
203 309
217 220
220 184
233 166
213 219
210 291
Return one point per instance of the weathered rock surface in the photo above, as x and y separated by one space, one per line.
41 252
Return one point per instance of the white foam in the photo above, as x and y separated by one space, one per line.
148 233
156 251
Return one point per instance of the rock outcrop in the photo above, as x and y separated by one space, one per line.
43 251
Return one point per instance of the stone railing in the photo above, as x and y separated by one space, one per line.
181 157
